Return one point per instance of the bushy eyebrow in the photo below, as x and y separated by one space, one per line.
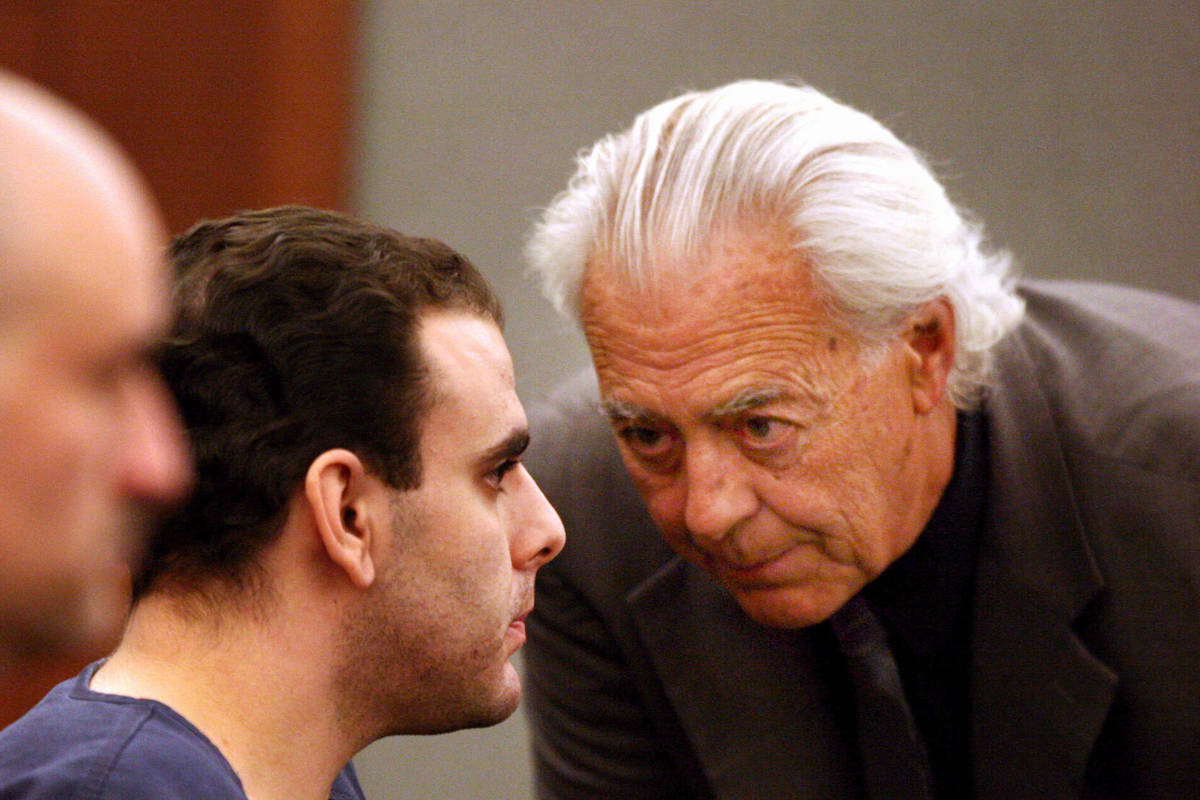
617 411
746 400
512 446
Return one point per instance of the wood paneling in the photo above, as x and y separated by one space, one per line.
236 104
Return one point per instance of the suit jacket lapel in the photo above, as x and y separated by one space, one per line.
1039 697
752 700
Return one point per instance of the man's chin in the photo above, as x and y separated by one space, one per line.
507 698
466 712
83 619
105 610
504 699
790 607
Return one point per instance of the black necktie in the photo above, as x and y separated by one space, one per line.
895 764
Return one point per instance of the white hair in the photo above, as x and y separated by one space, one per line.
860 207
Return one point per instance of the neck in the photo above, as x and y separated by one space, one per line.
259 686
938 438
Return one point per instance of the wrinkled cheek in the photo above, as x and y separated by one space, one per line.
841 550
844 512
856 553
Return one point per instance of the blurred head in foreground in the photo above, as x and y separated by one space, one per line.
89 442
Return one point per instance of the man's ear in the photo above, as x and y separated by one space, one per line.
336 487
930 351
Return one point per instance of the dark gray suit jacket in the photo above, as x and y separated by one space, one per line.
645 679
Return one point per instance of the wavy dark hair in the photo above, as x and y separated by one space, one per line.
294 333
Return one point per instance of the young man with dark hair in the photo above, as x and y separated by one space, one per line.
357 559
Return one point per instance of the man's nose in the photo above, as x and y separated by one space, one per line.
155 464
540 537
719 492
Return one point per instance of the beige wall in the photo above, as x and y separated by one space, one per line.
1073 132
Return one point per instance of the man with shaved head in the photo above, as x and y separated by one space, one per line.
89 441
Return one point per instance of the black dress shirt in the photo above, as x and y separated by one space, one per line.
924 601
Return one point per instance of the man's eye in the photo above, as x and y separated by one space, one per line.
765 430
643 437
496 476
646 442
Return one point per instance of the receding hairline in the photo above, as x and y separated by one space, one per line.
435 391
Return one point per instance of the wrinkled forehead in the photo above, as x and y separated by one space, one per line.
739 264
749 322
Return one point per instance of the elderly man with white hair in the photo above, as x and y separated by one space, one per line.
922 530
